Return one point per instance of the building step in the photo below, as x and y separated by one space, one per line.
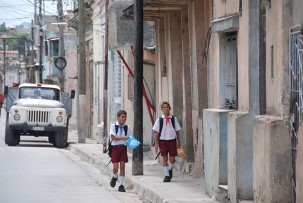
222 194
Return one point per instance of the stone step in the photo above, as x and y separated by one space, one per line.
221 195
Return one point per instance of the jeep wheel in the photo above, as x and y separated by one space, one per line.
11 137
51 138
6 123
61 139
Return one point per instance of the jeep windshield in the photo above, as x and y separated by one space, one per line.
39 93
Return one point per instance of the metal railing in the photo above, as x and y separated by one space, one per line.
296 85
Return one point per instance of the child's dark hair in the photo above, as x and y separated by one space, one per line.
163 103
121 112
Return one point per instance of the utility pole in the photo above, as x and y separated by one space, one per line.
35 12
81 73
105 97
41 41
137 168
61 42
31 69
4 62
31 72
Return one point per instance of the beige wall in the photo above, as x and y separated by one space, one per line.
98 19
243 59
272 30
71 83
277 27
272 160
223 8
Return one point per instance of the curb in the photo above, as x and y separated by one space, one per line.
145 185
132 184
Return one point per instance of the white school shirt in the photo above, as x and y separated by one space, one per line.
120 133
168 131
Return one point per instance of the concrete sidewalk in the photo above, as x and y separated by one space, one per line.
182 188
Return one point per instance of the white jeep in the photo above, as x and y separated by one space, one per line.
37 110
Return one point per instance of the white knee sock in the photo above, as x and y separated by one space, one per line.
121 180
170 166
115 175
166 173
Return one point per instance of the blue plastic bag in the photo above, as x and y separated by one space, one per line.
132 142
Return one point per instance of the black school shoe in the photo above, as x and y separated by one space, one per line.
121 188
166 179
113 182
170 173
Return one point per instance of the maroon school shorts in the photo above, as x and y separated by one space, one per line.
168 147
119 154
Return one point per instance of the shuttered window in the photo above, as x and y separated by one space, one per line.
231 73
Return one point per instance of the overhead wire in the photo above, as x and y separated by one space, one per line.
42 9
10 6
53 14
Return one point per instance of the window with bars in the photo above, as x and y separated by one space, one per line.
115 87
117 75
130 87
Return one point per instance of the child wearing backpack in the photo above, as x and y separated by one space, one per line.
166 130
119 133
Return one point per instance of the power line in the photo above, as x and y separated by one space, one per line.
12 6
15 18
38 7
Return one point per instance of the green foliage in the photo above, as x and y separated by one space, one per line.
14 43
18 44
3 27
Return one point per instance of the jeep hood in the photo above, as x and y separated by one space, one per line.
43 103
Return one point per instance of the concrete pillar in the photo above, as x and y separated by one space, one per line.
272 160
299 167
240 155
215 149
202 9
161 77
175 61
200 18
187 111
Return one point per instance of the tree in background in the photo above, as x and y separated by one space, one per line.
18 44
3 27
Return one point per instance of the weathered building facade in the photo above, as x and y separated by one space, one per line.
294 21
182 39
225 67
251 141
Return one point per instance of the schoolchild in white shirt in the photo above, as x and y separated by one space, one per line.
166 131
119 132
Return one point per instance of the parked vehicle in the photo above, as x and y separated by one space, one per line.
37 110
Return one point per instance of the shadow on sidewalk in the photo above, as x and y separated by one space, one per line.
182 188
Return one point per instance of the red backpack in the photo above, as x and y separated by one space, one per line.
1 98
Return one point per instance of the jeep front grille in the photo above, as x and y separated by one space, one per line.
38 116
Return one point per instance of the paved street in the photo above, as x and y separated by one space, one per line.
36 172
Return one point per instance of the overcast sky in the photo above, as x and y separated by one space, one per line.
16 12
